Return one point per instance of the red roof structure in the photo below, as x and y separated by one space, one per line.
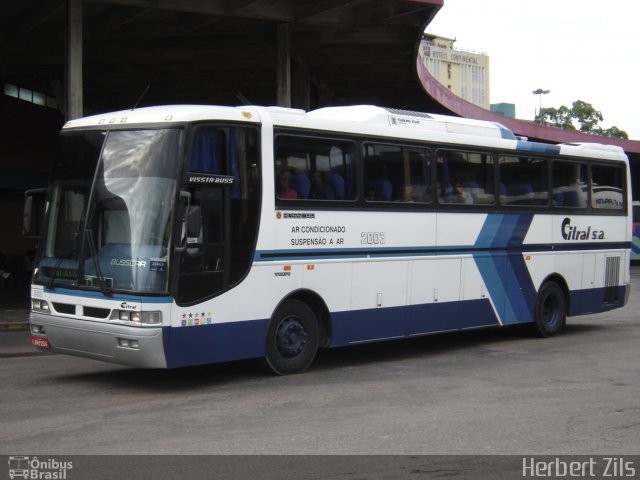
457 106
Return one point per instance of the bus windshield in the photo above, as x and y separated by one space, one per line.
109 215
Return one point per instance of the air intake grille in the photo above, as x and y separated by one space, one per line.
96 312
611 276
67 308
408 113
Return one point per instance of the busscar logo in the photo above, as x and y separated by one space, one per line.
123 262
38 469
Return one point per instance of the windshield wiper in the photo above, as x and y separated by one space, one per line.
101 280
54 274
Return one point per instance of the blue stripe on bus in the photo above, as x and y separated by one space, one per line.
596 300
534 147
506 274
369 325
353 253
223 342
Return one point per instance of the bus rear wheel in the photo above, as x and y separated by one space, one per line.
550 314
293 337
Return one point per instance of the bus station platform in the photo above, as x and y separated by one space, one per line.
14 325
14 307
14 319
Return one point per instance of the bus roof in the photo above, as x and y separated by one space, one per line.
167 114
355 119
405 118
364 114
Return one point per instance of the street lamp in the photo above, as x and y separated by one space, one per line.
540 92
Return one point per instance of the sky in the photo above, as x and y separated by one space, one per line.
578 49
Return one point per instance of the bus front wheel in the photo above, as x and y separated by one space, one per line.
292 338
550 312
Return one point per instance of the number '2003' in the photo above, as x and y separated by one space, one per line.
372 238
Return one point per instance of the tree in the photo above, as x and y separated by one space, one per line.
584 114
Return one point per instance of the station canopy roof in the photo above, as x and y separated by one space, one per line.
222 51
226 52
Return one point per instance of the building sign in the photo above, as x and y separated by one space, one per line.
444 54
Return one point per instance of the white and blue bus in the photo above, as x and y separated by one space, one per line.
185 235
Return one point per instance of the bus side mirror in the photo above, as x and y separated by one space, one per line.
33 212
184 201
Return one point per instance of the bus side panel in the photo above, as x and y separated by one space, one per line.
222 342
509 283
389 323
368 325
450 316
491 268
378 298
597 300
331 281
606 289
434 281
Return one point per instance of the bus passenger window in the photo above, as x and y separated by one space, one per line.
314 169
319 189
283 187
523 181
396 173
607 190
569 184
464 178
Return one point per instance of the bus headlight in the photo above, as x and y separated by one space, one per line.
141 318
41 306
151 318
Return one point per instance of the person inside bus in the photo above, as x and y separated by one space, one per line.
284 191
320 191
459 194
408 194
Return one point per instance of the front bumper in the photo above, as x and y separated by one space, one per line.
133 346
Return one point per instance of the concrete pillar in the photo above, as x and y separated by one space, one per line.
284 66
73 89
301 86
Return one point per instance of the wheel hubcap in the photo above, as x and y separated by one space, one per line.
291 337
550 311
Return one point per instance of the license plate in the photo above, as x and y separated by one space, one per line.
40 342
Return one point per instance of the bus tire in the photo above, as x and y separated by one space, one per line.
550 313
293 337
